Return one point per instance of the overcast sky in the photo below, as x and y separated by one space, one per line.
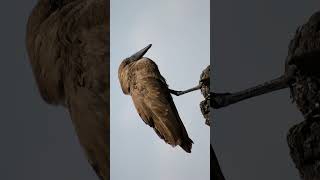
179 31
250 41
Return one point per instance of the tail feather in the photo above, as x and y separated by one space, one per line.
187 145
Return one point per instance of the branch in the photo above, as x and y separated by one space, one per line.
179 93
220 100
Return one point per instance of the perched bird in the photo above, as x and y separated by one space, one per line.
68 47
140 78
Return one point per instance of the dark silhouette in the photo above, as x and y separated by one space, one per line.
220 100
303 138
140 78
68 48
302 76
216 172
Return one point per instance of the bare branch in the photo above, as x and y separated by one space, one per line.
179 93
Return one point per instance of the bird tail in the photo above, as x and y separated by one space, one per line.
187 144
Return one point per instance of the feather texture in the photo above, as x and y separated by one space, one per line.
68 49
153 101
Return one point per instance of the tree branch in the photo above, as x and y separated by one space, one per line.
179 93
220 100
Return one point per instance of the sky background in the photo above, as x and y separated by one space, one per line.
179 31
250 41
38 141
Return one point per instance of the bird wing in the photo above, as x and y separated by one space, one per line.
69 54
90 117
155 106
87 96
86 80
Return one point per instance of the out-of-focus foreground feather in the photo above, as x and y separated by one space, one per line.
68 48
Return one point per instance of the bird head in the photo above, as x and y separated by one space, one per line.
126 64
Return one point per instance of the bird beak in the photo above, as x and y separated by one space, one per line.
138 55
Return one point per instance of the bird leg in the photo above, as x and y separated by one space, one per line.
178 93
220 100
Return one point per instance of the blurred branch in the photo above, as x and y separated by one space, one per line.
302 75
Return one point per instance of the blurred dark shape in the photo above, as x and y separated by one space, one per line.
302 76
304 138
68 48
215 173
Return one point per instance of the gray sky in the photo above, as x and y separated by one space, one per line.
38 141
249 45
179 31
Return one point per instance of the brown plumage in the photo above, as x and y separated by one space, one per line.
140 78
68 48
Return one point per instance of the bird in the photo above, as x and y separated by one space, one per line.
67 42
141 79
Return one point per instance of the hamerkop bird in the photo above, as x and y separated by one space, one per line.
68 48
140 78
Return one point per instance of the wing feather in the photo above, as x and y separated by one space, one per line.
69 53
155 106
86 82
